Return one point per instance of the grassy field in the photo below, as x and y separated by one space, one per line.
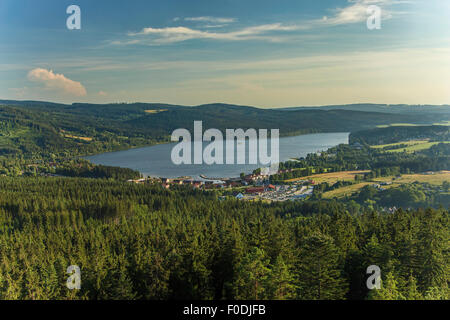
71 136
443 123
418 147
345 191
412 146
331 177
409 143
434 179
77 137
398 125
155 111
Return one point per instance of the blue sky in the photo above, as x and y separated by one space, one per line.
264 53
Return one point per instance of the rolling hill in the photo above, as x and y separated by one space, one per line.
82 128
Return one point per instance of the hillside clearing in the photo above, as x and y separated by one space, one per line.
331 177
155 111
345 191
436 178
412 146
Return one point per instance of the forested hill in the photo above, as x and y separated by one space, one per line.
384 108
36 127
400 133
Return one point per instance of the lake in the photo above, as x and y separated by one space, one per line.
155 161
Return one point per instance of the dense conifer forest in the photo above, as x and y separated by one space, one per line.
143 242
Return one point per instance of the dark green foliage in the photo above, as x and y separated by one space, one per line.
144 242
84 169
319 264
400 133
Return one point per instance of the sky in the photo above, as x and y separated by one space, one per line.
277 53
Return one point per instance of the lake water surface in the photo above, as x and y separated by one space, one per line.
155 161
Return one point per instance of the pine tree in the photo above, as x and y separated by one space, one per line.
252 275
320 277
281 281
433 245
373 251
388 290
52 285
438 293
123 287
412 292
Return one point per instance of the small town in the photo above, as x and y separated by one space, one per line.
255 186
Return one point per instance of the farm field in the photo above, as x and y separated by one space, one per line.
418 147
77 137
442 123
155 111
345 191
436 178
409 143
331 177
71 136
412 146
398 125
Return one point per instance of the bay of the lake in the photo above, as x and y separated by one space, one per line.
155 161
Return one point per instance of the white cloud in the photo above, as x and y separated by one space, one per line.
177 34
214 26
211 19
354 12
57 82
357 11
